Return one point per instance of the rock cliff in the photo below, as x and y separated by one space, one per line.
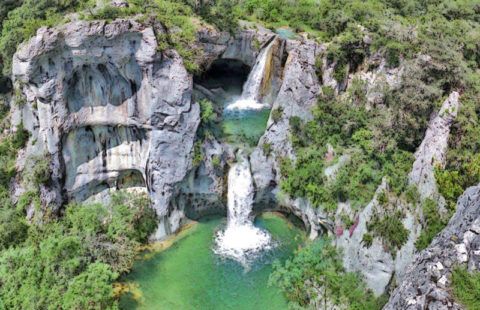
427 280
108 109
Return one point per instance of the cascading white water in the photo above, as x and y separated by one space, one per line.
252 89
241 240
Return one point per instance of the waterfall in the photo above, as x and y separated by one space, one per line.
257 82
241 240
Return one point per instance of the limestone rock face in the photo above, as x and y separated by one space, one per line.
377 265
109 110
298 93
427 281
433 149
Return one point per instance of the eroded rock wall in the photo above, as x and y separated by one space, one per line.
427 281
109 109
296 97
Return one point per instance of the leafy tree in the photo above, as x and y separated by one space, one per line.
317 269
91 289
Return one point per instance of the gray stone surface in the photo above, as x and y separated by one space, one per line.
427 282
297 95
109 109
433 149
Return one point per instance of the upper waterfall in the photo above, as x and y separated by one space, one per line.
257 83
241 240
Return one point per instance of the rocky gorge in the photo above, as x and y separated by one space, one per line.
108 110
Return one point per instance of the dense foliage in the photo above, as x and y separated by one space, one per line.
466 287
317 270
357 133
381 139
71 262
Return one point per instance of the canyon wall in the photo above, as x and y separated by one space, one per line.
108 109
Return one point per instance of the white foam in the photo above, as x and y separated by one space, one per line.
245 104
241 240
243 243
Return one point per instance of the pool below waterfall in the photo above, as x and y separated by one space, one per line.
189 275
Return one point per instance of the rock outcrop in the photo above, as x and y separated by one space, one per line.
433 149
108 109
427 280
377 265
297 96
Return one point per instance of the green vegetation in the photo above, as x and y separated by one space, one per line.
358 133
69 261
189 276
316 270
72 261
267 149
367 240
433 223
21 20
390 229
463 160
9 147
209 120
277 114
466 287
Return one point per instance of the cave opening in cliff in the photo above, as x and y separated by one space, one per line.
223 80
235 89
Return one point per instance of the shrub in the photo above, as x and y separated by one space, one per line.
466 287
267 149
216 161
433 223
38 171
207 115
319 265
277 114
382 198
367 240
394 51
91 289
390 229
197 154
72 261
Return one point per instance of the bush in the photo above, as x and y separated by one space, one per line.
367 240
267 149
390 229
466 287
72 261
277 114
197 154
91 289
433 223
38 172
207 113
319 265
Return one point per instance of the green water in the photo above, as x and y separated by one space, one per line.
246 126
286 33
188 275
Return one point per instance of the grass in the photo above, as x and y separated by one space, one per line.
466 287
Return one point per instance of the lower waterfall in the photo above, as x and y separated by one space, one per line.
241 240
